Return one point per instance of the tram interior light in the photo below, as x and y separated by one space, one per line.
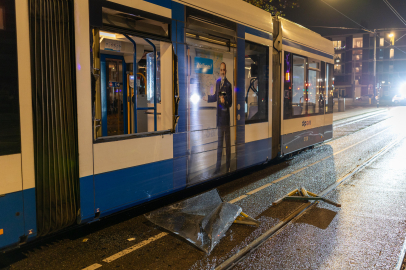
107 35
195 98
287 77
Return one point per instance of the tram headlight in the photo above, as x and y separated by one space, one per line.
402 90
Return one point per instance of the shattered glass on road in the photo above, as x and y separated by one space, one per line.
202 220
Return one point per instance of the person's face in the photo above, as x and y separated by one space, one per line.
223 71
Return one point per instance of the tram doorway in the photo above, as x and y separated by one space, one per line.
113 95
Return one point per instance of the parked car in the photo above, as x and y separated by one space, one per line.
398 100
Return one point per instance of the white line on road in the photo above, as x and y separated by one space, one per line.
133 248
158 236
93 266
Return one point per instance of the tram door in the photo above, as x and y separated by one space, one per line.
113 95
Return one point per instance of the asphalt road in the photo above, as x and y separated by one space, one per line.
367 232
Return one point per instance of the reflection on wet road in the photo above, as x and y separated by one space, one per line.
368 231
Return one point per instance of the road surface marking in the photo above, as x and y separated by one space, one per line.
301 169
135 247
238 198
360 142
283 177
93 266
258 189
158 236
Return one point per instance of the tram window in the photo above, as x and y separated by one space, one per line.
299 100
256 82
315 99
128 92
211 79
10 139
329 88
294 86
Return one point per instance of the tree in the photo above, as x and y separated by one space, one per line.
274 6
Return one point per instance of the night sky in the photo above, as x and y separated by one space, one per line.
372 14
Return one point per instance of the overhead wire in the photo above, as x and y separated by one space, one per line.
395 11
400 38
397 15
346 28
363 28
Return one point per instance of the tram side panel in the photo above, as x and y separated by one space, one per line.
17 187
134 163
306 89
306 119
131 139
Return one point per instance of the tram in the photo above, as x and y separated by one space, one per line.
105 105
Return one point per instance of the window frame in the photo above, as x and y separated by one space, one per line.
124 31
9 85
267 87
355 40
329 103
306 114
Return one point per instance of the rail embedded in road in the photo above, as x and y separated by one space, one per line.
243 253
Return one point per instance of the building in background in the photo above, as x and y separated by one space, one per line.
354 64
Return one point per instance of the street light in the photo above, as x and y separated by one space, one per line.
392 38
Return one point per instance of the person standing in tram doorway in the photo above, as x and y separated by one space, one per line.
224 98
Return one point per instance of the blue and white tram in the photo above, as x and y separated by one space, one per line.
109 104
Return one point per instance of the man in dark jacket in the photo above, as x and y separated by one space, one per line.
224 98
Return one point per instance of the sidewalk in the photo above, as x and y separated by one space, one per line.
351 111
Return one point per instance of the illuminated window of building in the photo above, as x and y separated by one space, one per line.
337 69
381 42
357 55
2 24
357 43
391 53
337 44
337 58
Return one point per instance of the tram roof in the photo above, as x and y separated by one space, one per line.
235 10
300 34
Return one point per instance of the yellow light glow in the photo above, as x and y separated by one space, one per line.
391 35
107 35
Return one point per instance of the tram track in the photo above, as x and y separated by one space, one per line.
355 119
298 212
294 215
340 125
305 167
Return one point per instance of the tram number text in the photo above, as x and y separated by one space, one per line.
306 138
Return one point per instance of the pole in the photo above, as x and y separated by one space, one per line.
375 62
155 70
135 82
